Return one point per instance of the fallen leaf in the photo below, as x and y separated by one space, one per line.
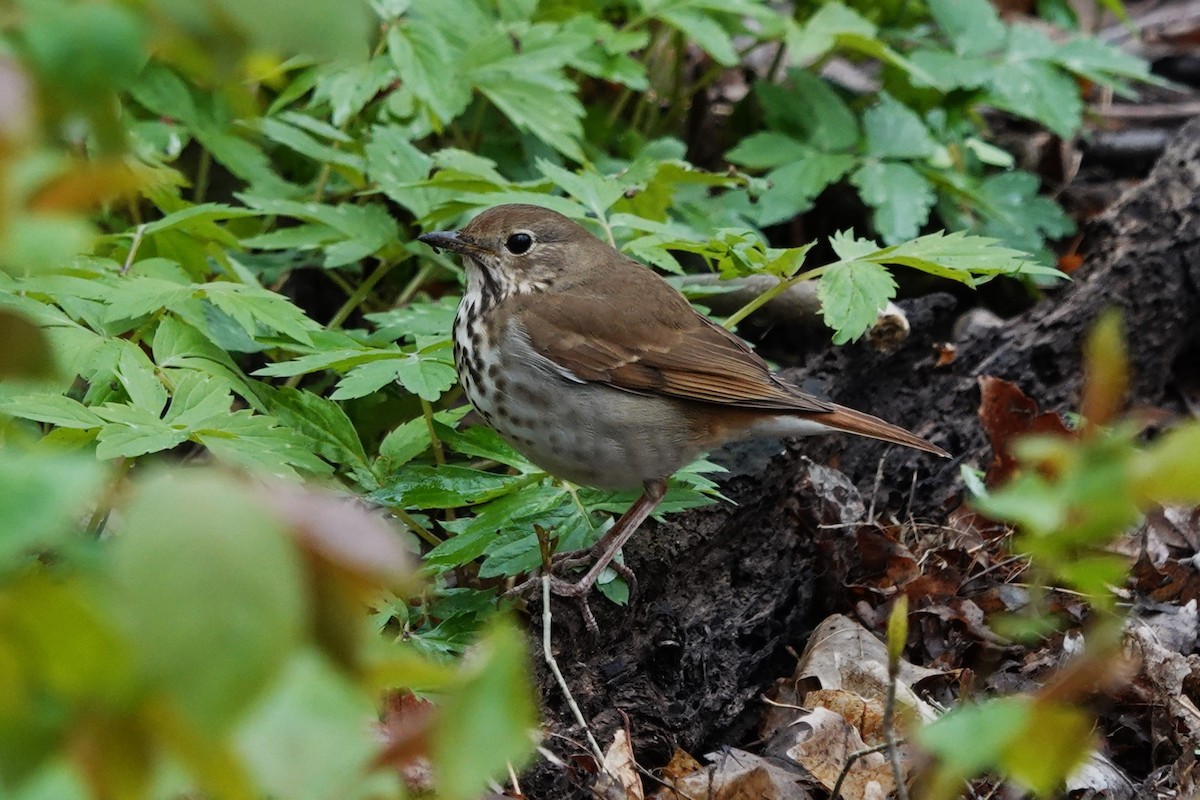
738 775
1005 414
823 741
618 778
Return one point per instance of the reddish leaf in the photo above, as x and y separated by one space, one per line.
1005 413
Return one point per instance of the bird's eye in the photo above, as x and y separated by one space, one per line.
519 243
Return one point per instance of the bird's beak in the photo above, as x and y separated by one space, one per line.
449 240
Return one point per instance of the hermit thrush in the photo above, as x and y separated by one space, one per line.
599 372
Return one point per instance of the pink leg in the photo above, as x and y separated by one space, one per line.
603 552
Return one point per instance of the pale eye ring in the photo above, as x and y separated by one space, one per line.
519 243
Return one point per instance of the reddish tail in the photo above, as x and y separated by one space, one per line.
851 421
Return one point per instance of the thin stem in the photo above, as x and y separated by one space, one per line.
889 734
836 791
202 172
439 455
413 285
771 294
420 530
547 620
138 232
360 294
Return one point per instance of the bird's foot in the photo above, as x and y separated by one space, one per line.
577 590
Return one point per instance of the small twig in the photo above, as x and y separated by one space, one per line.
889 728
547 619
512 778
138 232
835 793
360 294
439 455
912 491
875 490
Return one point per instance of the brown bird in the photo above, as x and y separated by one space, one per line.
601 373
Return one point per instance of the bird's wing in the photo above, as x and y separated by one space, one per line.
660 345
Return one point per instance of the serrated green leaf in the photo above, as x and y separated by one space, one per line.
409 440
419 486
252 306
767 150
138 377
258 441
899 195
54 409
893 130
1040 92
973 26
852 295
818 35
134 431
322 421
795 186
423 375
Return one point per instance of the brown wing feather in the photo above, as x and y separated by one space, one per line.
672 350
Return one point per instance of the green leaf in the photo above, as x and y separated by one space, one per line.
959 257
487 722
305 739
259 442
42 499
252 306
795 186
596 192
541 103
811 109
973 26
55 409
450 486
137 375
852 295
422 373
893 130
1040 92
705 32
324 423
900 196
409 440
971 738
819 34
1168 471
767 150
134 431
195 535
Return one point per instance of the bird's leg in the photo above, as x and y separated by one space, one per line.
610 544
602 552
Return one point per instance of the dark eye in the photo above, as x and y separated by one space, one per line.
519 243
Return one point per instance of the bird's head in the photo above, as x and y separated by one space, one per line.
521 248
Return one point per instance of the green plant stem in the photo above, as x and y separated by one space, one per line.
770 294
336 279
203 169
439 455
420 530
360 294
416 283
